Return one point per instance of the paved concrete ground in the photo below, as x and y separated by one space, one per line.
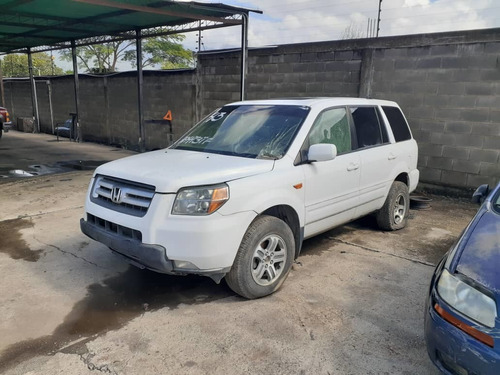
353 303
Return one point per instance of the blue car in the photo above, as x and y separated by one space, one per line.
462 327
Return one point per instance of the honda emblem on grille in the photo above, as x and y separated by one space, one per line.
116 195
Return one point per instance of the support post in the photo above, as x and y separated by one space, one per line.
140 84
244 53
378 18
366 75
49 92
2 89
78 136
34 100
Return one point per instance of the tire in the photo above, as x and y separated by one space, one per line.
264 258
394 214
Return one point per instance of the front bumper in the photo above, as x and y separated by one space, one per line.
453 351
176 244
141 255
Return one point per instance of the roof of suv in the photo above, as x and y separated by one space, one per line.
315 101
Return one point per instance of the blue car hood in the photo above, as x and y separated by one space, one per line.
480 258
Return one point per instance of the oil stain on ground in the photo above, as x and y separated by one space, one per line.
12 243
113 303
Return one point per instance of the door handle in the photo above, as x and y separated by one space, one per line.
352 166
392 156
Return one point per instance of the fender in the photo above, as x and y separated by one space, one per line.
281 186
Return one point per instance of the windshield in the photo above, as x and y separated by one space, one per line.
252 131
496 202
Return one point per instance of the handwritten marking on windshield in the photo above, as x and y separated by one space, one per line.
217 116
197 140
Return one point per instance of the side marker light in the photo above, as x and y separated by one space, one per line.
478 335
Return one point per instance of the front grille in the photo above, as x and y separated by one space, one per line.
123 196
111 227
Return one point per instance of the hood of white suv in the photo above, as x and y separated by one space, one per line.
171 170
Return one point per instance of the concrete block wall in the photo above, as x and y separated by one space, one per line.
451 96
282 71
108 105
448 85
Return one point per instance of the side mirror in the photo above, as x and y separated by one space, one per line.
480 194
321 152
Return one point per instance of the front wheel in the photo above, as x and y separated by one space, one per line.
394 214
264 258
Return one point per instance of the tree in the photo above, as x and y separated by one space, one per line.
99 58
16 65
353 31
164 51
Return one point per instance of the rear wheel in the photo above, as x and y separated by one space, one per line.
394 214
264 258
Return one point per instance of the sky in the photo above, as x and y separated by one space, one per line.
298 21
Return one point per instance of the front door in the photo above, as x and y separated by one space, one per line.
331 187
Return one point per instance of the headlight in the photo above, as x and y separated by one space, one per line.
202 200
466 299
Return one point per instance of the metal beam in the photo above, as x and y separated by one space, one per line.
128 37
45 17
14 4
2 90
244 52
34 100
140 84
31 36
378 18
78 135
147 9
38 28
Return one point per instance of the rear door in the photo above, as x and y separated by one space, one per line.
377 157
331 187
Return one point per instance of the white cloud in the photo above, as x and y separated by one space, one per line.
296 21
299 21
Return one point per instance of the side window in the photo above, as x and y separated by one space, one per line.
367 126
332 127
398 123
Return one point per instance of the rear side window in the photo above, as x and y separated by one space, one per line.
367 126
398 123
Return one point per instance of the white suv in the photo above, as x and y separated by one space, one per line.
236 196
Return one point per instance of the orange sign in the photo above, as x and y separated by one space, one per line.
168 116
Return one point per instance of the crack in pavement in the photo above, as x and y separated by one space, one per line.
29 216
384 252
68 253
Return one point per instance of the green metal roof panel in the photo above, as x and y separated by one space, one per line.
34 23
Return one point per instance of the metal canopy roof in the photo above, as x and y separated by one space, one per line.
36 23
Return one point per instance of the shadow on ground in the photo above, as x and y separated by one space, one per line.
112 304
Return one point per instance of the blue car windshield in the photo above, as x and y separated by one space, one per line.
252 131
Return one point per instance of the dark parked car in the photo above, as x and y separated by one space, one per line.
462 327
5 122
